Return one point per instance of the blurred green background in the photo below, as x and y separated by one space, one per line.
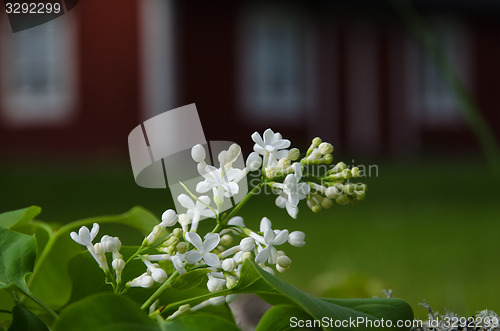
427 230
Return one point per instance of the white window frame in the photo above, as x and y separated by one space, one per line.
432 102
55 106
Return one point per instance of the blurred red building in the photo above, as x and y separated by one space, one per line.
350 72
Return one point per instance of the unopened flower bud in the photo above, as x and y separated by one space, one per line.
246 256
281 269
229 264
112 244
226 240
316 208
316 141
284 261
159 275
327 159
360 195
355 172
172 240
182 247
325 148
332 192
168 218
247 244
231 282
146 281
268 269
198 153
346 173
98 249
293 154
118 264
171 250
158 231
360 187
177 232
217 301
216 284
296 238
342 200
349 189
326 203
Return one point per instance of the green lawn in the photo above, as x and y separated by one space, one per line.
427 230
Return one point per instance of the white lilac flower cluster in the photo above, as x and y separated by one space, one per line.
223 250
484 320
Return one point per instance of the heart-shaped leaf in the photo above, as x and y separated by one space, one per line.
18 217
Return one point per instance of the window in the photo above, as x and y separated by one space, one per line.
38 74
274 62
431 99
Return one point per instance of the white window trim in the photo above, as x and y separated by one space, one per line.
55 107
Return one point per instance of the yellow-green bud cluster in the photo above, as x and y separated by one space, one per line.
318 153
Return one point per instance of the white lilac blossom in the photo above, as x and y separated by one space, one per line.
271 238
296 238
292 191
221 184
203 249
176 246
196 210
271 146
85 238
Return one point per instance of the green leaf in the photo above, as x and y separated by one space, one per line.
104 312
190 279
336 309
24 320
17 258
50 280
86 279
199 321
284 318
18 217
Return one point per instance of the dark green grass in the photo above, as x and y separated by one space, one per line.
427 230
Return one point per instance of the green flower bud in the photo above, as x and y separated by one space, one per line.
328 158
360 187
182 247
355 172
293 154
284 261
326 203
332 192
177 232
349 189
281 269
231 282
171 250
172 241
359 195
316 209
226 240
346 173
342 200
245 256
325 148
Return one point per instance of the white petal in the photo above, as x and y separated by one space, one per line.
265 224
259 149
268 137
75 237
273 255
194 239
211 241
232 189
257 139
185 201
192 257
269 236
204 200
237 220
211 259
203 187
283 143
263 255
94 231
297 169
84 235
280 238
292 211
